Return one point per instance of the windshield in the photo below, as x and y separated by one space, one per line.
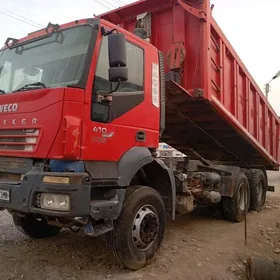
55 61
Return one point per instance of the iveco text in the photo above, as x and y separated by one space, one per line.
8 107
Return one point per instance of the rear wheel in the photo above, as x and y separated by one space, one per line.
258 188
35 228
139 230
236 207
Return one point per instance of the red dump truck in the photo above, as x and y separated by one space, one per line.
84 105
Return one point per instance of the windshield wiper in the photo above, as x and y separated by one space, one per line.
2 91
32 86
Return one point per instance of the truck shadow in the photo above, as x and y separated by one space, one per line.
69 253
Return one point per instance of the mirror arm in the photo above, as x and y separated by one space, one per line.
104 32
116 88
111 91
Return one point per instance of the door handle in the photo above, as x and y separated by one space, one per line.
140 136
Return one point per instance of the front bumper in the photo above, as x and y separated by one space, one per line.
85 199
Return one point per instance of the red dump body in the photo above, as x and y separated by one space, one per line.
214 106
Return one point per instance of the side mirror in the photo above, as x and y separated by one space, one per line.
118 71
118 74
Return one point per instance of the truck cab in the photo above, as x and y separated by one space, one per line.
80 113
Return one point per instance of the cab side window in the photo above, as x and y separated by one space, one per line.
135 64
134 84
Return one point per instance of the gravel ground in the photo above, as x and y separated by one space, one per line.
195 247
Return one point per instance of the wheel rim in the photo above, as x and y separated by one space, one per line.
145 227
241 197
260 191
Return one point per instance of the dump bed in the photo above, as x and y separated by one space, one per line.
213 105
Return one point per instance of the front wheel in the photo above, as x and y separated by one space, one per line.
139 230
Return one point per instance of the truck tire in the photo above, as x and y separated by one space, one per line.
33 228
139 230
234 208
258 188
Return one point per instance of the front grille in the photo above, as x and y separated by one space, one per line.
19 139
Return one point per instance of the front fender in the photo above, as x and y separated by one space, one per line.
160 177
131 162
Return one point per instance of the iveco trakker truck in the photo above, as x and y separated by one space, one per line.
83 107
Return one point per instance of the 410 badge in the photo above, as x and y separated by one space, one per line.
103 131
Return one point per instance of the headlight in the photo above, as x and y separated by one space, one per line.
58 202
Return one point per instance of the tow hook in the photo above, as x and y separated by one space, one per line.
81 220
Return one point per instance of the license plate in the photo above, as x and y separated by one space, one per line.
4 195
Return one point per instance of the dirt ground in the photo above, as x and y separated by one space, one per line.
195 247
